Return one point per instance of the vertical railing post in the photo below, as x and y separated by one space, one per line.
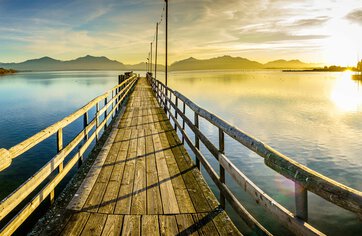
183 121
60 146
165 100
119 91
197 140
61 165
106 111
158 93
116 100
124 77
301 202
113 95
97 121
169 106
222 170
59 140
176 113
161 95
85 123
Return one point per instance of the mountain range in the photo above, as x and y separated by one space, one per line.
103 63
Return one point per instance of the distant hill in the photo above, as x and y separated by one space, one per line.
292 64
81 63
225 62
103 63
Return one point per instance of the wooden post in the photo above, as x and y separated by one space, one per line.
97 121
161 95
60 167
52 196
169 107
222 170
105 112
301 202
60 146
120 80
117 93
197 141
183 121
59 140
85 123
113 114
176 103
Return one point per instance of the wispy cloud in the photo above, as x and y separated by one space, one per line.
259 29
355 16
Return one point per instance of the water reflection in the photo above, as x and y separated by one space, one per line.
293 112
298 114
347 93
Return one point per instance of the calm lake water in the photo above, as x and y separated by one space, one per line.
314 118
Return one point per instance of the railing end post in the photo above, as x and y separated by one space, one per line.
222 170
5 159
301 202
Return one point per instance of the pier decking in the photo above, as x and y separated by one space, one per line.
147 183
143 182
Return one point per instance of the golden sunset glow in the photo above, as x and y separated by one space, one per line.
323 31
347 93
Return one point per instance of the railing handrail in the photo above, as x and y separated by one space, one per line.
331 190
304 177
8 204
27 144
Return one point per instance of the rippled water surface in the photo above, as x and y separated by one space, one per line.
314 118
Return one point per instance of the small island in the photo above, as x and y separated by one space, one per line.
6 71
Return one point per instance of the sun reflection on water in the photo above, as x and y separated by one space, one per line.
347 93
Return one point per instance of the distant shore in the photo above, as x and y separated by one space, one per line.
6 71
324 69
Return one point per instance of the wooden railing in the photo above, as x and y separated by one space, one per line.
55 167
304 178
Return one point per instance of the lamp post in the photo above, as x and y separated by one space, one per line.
156 50
166 43
151 59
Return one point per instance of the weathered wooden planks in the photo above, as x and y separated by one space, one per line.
148 184
124 199
180 224
139 204
154 203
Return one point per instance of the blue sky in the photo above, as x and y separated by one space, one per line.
325 31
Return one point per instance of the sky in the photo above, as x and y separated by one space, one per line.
320 31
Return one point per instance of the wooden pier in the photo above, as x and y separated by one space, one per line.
146 184
143 181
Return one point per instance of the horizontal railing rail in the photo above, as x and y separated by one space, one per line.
305 179
118 95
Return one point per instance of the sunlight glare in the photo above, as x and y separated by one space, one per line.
346 93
